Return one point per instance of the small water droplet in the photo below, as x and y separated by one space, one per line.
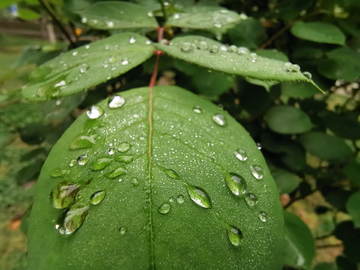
202 45
214 49
95 112
116 102
74 218
123 147
107 46
61 83
97 197
217 24
148 42
223 48
187 47
122 230
74 53
251 199
83 142
257 171
124 62
253 57
111 151
63 195
180 199
112 59
262 216
83 68
307 75
235 235
243 50
150 14
199 196
232 49
101 163
135 182
117 172
110 24
235 183
171 173
219 119
132 40
258 145
87 46
241 154
171 199
82 160
176 16
57 172
141 138
73 162
164 208
197 109
84 20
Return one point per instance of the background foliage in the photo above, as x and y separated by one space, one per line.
310 140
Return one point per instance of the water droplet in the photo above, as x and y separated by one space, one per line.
295 68
116 102
123 147
105 64
241 154
258 145
124 62
217 24
141 138
63 195
257 171
84 20
74 219
148 42
122 230
199 196
243 50
235 235
117 172
180 199
252 57
87 46
235 183
83 68
111 151
307 75
164 208
243 16
132 40
202 45
187 47
112 59
262 216
197 109
171 173
83 142
57 172
95 112
219 119
232 48
107 46
110 24
101 163
223 48
74 53
73 162
82 160
176 16
251 199
214 49
171 199
97 197
135 182
61 83
150 14
125 159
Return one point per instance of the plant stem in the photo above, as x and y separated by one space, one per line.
163 9
158 54
52 14
275 36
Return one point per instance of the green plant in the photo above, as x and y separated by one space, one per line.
159 177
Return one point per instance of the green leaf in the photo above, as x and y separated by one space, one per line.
352 171
217 20
350 237
325 146
266 84
352 206
299 243
248 33
325 266
27 14
273 54
87 66
286 182
172 198
298 90
289 10
117 15
342 63
308 53
343 126
210 54
318 32
287 120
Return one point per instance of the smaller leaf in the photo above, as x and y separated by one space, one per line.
27 14
352 171
286 182
343 126
318 32
350 237
273 54
352 206
248 33
298 90
287 120
308 53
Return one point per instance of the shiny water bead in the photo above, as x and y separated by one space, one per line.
257 172
63 195
295 68
125 62
223 48
125 159
74 53
83 142
73 162
74 219
197 109
251 199
148 42
57 172
123 147
110 24
122 230
176 16
82 160
95 112
235 183
83 68
187 47
135 182
214 49
307 74
243 50
235 235
202 45
217 24
232 48
97 197
259 146
180 199
101 163
219 119
87 46
115 173
241 155
132 40
112 59
116 102
84 20
253 57
171 173
150 14
164 208
243 16
199 196
262 216
111 151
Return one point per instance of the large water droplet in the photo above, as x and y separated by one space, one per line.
199 196
232 48
180 199
74 218
117 172
125 159
116 102
257 171
84 20
235 183
243 50
57 172
197 109
171 173
214 49
202 45
307 75
164 208
74 53
122 230
87 46
95 112
63 195
123 147
59 84
241 154
262 216
83 142
219 119
235 235
132 40
251 199
111 151
73 162
187 47
97 197
101 163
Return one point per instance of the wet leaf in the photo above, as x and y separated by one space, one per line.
180 185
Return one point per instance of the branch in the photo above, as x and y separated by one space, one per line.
277 34
52 14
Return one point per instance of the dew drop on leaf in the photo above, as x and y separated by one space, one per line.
176 16
219 119
132 40
83 68
251 199
241 155
87 46
97 197
257 171
101 163
217 24
115 173
82 160
74 53
112 59
235 235
164 208
110 24
187 47
83 142
73 162
214 49
125 159
63 195
243 50
122 230
232 49
116 102
258 145
171 199
197 109
135 182
111 151
202 45
123 147
148 42
124 62
95 112
74 218
84 20
307 75
199 196
235 183
57 172
61 83
180 199
171 173
262 216
253 57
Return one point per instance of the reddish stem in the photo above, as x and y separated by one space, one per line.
158 54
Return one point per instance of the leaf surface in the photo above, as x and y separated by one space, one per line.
164 194
117 15
352 206
87 66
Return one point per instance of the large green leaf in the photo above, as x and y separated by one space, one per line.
286 182
88 66
287 120
325 146
318 32
249 33
352 206
238 61
298 90
117 15
171 170
299 243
